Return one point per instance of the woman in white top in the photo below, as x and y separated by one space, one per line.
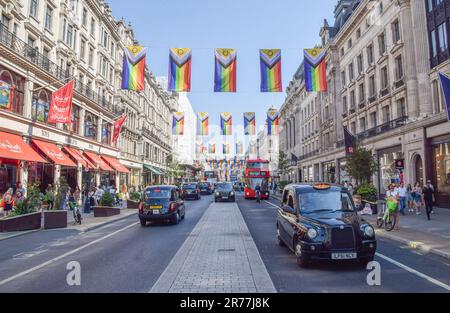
417 193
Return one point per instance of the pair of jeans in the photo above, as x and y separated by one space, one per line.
402 205
429 209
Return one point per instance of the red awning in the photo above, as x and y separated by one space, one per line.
53 153
115 164
76 155
98 161
13 147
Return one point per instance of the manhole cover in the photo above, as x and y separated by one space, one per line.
226 250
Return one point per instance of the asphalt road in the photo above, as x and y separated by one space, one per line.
120 257
402 269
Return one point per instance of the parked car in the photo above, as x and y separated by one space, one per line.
205 188
224 192
190 191
320 222
162 203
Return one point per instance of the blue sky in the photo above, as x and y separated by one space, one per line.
246 25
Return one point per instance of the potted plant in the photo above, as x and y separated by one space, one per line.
106 206
26 214
134 200
56 217
369 194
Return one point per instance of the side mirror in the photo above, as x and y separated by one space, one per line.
288 209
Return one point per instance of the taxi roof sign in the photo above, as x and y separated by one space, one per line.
322 186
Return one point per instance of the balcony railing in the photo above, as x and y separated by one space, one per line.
383 128
309 155
33 56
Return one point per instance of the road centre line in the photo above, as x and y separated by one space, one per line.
402 266
21 274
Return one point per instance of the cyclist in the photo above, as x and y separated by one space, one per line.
392 202
258 193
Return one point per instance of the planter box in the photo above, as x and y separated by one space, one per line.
55 219
21 223
101 211
132 204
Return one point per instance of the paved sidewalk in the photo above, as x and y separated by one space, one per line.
89 222
219 256
419 233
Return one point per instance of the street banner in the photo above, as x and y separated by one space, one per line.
273 122
134 65
203 123
445 84
250 123
226 123
270 60
225 70
350 142
61 105
315 70
180 60
178 124
6 95
118 128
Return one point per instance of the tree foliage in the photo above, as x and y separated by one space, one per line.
361 165
283 163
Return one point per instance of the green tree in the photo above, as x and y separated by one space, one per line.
175 170
361 165
283 163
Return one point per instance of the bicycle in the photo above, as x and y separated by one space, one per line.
387 218
76 213
258 197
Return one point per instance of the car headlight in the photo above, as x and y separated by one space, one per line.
232 193
312 234
217 193
369 231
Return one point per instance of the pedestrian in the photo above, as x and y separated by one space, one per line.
434 193
22 189
50 196
124 196
351 189
428 197
7 204
418 201
98 194
402 194
409 192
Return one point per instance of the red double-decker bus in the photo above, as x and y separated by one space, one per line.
257 172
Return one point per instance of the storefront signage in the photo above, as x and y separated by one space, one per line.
61 105
7 145
400 164
45 133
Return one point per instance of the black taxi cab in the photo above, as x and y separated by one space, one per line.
162 203
320 222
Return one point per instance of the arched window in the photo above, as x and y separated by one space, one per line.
11 91
90 126
40 105
106 133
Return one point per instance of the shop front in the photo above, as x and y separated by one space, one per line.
61 166
329 172
440 169
86 170
105 175
152 175
118 167
16 158
388 172
343 174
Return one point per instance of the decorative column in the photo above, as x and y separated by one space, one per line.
28 97
99 129
81 123
56 175
80 176
321 178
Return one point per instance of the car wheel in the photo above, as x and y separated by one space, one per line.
143 223
302 260
279 240
176 219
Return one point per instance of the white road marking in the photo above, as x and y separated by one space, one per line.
9 279
403 266
413 271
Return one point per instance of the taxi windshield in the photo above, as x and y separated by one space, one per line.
224 187
157 193
190 186
324 201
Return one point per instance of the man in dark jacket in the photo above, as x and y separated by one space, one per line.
428 196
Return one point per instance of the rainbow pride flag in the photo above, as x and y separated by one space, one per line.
270 60
273 122
212 148
315 70
226 124
226 149
225 70
178 124
180 60
250 123
239 148
133 72
203 124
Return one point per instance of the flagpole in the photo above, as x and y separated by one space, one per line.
51 84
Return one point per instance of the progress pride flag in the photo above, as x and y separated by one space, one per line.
61 106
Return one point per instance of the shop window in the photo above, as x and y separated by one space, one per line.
442 157
106 134
388 172
75 126
90 126
41 105
11 91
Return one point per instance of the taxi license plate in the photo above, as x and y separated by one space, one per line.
225 197
156 212
344 256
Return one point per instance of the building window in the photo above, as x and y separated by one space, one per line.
353 128
106 133
362 124
386 114
433 44
349 44
442 33
83 49
360 62
343 79
344 104
351 72
68 34
362 93
5 21
373 119
382 44
352 100
75 126
398 68
396 35
384 78
84 17
401 108
90 126
93 27
358 33
11 81
33 7
372 86
91 57
48 18
370 58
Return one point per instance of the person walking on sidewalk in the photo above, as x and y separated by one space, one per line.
402 194
409 194
417 192
428 196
